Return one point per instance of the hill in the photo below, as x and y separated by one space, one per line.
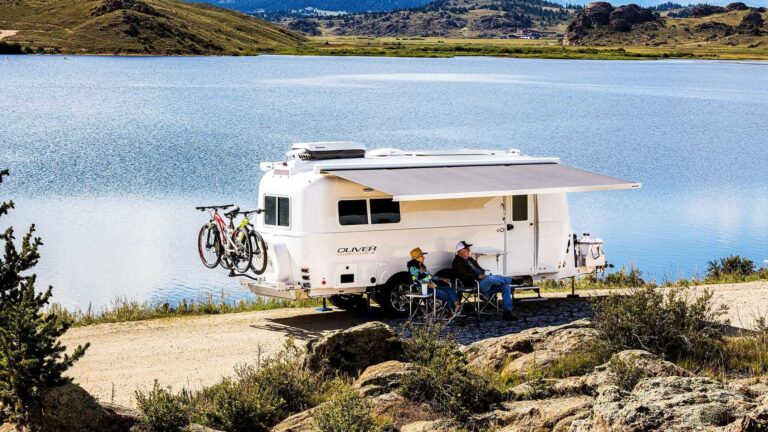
351 6
601 24
156 27
445 18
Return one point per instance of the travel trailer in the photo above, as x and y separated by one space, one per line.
339 221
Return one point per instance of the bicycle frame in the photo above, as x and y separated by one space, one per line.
225 231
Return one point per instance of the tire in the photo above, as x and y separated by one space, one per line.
244 254
391 297
259 253
209 246
348 301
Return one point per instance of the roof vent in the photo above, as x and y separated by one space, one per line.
327 150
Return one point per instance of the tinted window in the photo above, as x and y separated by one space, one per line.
353 212
385 211
270 210
520 207
283 212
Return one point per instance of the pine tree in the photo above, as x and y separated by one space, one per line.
31 357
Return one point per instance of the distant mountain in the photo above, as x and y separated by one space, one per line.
351 6
158 27
445 18
649 3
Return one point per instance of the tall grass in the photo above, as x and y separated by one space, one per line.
124 310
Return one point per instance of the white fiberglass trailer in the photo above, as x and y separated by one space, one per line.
339 221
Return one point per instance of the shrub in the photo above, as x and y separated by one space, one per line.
579 362
624 278
296 386
443 379
344 411
626 374
233 407
735 266
665 322
161 411
31 358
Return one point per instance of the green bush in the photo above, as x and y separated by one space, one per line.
666 322
735 266
443 379
233 407
624 278
579 362
345 411
161 411
31 357
626 374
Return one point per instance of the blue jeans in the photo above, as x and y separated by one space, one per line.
491 284
447 295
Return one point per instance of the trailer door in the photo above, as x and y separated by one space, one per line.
519 240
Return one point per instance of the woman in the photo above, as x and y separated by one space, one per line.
420 274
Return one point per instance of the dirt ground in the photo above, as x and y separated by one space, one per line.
192 352
7 33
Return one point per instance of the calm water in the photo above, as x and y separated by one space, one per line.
109 155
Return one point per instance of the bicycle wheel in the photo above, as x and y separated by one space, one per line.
259 253
243 255
208 245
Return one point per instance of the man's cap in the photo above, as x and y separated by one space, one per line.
461 245
416 252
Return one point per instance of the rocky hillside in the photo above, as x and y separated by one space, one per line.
446 18
601 24
157 27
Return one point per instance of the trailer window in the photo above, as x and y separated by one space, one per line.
277 211
520 207
385 211
353 212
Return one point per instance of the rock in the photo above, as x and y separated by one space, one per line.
599 13
383 377
665 403
751 24
716 27
70 408
737 6
431 426
703 10
650 365
537 347
199 428
299 422
352 350
107 6
624 17
401 410
535 415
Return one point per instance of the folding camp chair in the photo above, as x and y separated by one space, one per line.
483 305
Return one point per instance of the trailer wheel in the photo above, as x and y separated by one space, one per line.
348 301
392 297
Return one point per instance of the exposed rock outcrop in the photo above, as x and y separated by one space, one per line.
751 24
603 16
69 408
538 347
736 6
535 415
382 378
703 10
352 350
107 6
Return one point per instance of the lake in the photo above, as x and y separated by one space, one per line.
109 155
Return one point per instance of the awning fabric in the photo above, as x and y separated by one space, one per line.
433 183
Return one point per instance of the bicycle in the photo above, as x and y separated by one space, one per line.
220 242
258 245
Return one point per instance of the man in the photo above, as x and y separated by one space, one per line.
469 271
420 274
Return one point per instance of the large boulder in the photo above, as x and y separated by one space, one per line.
535 415
69 408
431 426
736 6
624 17
534 348
752 24
299 422
599 13
665 403
382 378
352 350
703 10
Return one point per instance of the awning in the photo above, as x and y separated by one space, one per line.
433 183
